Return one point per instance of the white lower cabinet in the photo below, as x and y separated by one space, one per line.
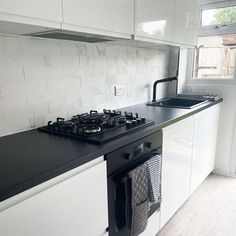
205 140
153 225
189 148
74 207
176 166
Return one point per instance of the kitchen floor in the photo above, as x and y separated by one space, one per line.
211 211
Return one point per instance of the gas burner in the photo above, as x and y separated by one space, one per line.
97 127
92 130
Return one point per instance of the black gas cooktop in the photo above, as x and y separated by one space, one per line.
95 127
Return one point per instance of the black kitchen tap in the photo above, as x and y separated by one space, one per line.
169 78
161 81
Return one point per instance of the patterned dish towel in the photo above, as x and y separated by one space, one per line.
138 217
154 167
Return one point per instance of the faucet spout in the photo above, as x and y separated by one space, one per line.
161 81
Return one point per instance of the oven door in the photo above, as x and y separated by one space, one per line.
117 187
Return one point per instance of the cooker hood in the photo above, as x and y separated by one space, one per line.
73 36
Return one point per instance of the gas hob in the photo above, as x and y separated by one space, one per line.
97 128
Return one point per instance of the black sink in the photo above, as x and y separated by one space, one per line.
185 103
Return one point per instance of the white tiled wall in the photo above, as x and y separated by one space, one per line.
42 79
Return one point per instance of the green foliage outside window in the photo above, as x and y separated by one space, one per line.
226 15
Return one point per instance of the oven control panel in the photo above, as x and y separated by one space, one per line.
133 151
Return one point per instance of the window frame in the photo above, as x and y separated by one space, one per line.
212 30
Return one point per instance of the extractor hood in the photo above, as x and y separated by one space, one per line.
74 36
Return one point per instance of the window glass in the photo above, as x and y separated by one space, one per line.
219 16
215 57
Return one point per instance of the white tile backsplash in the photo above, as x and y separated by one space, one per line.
40 46
12 45
11 74
43 72
63 60
2 48
41 79
84 50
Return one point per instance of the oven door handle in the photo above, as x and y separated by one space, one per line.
122 178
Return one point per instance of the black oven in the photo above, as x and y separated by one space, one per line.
120 162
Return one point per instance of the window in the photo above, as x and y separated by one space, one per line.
215 55
219 16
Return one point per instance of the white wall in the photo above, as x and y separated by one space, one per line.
42 79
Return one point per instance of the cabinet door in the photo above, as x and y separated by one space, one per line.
111 16
153 225
77 206
45 10
155 19
205 139
186 22
176 168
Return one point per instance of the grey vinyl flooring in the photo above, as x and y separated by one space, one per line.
210 211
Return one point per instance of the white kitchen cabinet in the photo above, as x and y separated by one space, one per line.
31 12
173 22
153 225
205 140
176 167
76 206
113 18
155 19
186 22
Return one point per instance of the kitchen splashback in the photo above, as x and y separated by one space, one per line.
41 79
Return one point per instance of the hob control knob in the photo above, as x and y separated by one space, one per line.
143 120
127 156
139 121
134 122
129 124
148 144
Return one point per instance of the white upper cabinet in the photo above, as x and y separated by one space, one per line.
32 12
106 17
173 22
155 19
186 22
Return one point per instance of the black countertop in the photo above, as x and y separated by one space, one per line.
32 157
